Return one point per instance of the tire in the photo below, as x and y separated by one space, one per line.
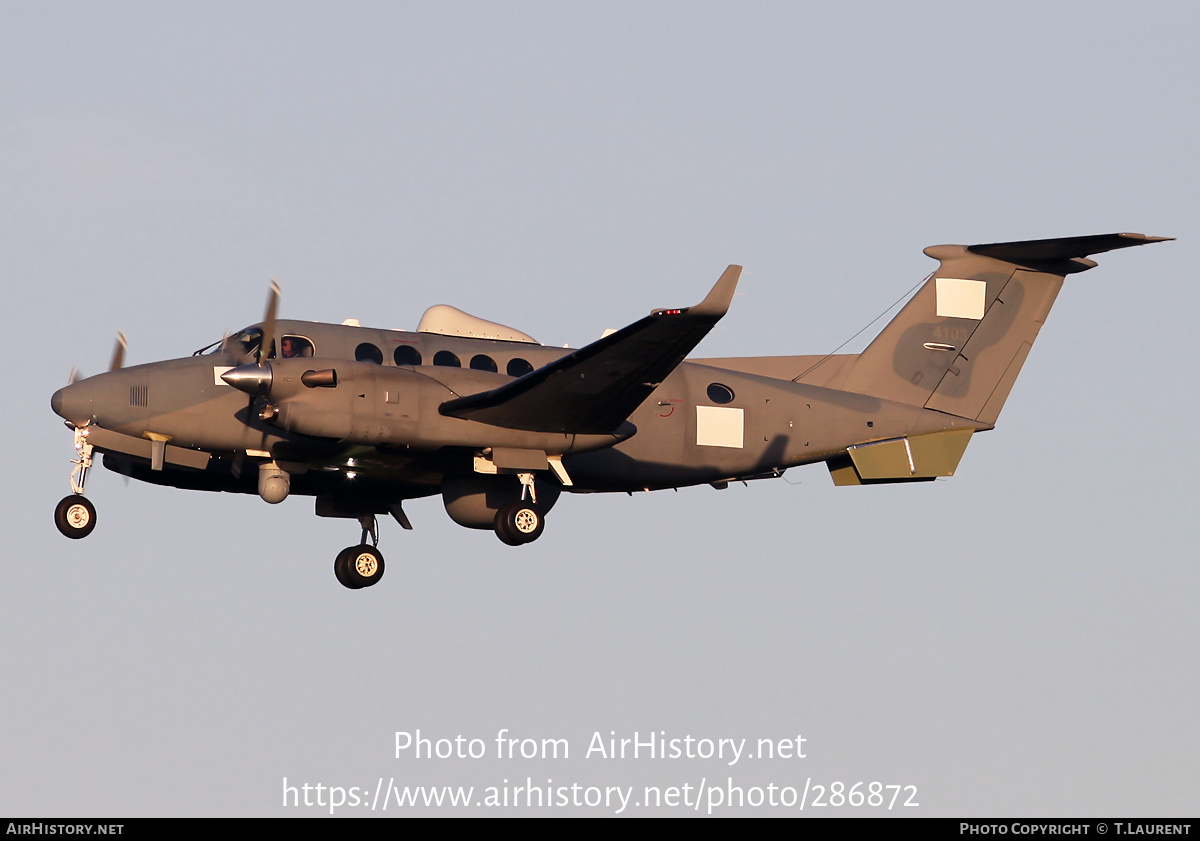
363 566
500 526
75 516
519 524
339 568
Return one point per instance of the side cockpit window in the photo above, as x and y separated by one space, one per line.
296 346
248 341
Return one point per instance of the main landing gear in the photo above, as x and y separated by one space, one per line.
361 566
521 522
75 516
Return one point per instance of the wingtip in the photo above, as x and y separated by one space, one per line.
716 303
1143 239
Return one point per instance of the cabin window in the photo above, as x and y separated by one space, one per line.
518 367
718 393
296 346
446 359
367 352
407 355
482 362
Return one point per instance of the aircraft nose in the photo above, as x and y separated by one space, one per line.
71 403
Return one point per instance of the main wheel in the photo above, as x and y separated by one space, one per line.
339 568
520 523
75 516
363 566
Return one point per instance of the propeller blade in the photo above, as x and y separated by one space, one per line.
118 357
73 377
268 327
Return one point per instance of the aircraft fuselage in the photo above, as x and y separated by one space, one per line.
499 425
382 418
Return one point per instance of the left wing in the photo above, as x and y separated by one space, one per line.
594 389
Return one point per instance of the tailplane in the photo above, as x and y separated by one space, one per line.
959 343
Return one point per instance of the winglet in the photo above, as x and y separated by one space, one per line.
716 303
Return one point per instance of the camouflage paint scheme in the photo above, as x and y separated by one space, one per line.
371 418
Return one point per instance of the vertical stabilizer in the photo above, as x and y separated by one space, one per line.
959 343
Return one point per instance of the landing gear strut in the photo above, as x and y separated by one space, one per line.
360 566
75 516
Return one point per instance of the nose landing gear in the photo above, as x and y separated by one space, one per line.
75 516
360 566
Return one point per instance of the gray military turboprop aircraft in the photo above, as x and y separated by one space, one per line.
363 419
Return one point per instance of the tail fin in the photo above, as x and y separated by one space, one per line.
959 343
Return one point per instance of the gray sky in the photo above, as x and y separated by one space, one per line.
1018 640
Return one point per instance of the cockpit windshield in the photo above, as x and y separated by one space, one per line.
215 347
247 342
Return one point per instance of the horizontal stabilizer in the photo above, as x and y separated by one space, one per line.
920 458
594 389
1063 248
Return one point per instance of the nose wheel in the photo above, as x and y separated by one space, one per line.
360 566
75 516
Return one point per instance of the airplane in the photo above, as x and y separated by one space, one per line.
499 425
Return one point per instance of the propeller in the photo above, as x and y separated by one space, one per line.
255 378
268 324
118 359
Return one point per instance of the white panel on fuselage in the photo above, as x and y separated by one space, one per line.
718 426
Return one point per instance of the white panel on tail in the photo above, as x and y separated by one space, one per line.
961 298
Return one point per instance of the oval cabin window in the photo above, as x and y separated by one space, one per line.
480 362
407 355
718 393
518 367
367 352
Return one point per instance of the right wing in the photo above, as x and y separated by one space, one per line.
594 389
